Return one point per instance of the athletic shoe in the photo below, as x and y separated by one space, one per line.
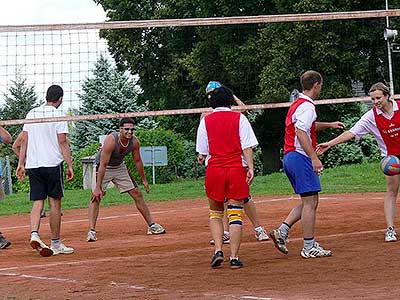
279 240
391 235
236 263
43 213
4 243
315 251
217 259
91 236
225 239
261 234
156 229
37 244
61 249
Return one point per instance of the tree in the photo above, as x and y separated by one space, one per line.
260 62
19 100
106 91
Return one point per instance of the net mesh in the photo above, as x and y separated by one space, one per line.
66 54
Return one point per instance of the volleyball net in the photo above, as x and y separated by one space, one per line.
69 55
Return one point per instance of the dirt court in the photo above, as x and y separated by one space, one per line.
125 263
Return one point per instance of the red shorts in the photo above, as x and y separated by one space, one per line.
228 183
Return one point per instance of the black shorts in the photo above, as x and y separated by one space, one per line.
46 182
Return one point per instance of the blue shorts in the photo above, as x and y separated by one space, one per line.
298 168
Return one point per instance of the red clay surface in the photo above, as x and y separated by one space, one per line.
125 263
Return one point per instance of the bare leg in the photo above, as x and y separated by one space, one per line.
137 196
35 214
294 215
251 212
94 207
55 217
392 186
308 215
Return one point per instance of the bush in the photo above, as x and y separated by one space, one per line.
175 144
354 151
77 181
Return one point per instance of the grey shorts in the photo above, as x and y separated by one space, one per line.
120 176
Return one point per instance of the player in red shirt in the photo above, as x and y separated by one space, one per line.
226 138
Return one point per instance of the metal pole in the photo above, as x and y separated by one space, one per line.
391 85
9 179
153 164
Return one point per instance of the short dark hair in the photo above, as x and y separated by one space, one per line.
380 86
127 121
54 93
309 78
221 97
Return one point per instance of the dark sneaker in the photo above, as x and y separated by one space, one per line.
4 243
236 263
217 259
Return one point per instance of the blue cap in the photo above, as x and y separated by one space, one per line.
212 85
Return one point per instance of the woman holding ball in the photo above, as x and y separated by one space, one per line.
383 122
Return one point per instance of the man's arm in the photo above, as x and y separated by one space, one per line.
66 152
324 125
107 150
5 136
305 143
20 172
248 156
137 159
16 147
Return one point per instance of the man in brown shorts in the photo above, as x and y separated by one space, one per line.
111 168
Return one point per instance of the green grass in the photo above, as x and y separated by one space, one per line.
358 178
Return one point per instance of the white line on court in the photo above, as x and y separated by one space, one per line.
134 215
129 286
166 254
38 277
167 211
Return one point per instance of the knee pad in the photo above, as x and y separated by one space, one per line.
216 214
235 214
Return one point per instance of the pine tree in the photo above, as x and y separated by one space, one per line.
106 91
19 100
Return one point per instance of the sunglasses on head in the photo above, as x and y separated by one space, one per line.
128 129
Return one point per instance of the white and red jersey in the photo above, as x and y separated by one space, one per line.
222 136
301 115
385 128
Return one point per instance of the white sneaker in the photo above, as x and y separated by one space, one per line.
91 236
279 240
156 229
261 234
37 244
315 251
391 235
61 249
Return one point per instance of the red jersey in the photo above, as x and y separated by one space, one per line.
224 139
290 131
389 130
